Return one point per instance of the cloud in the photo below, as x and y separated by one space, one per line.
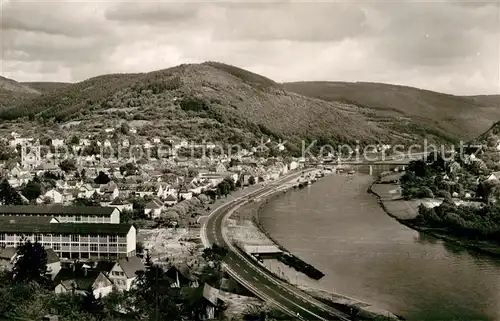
302 22
153 12
443 46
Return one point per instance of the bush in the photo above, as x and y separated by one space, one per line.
194 104
443 193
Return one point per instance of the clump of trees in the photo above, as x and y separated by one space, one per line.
194 104
26 293
425 179
475 223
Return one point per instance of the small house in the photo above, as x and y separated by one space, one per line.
123 273
82 280
154 208
182 276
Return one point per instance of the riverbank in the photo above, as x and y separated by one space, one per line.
405 211
246 228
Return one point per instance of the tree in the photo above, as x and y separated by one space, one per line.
102 178
231 183
154 297
33 189
85 202
8 195
486 188
74 140
124 128
223 188
93 306
83 174
251 180
418 167
129 169
31 264
215 254
68 165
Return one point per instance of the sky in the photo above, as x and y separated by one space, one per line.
446 46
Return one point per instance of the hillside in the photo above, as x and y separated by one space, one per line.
223 103
11 92
46 86
453 116
209 101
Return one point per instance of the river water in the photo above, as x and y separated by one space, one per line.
339 228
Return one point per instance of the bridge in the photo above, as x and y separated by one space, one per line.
373 167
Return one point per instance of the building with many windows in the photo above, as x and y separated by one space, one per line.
92 241
65 214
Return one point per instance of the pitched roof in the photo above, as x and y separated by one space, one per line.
56 210
77 278
51 256
183 270
27 224
130 265
171 198
154 204
8 253
119 201
104 266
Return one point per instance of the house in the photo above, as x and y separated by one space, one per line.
185 194
84 142
70 240
7 257
132 130
53 195
110 190
207 299
219 168
182 276
156 140
492 178
20 141
57 142
183 143
125 143
171 200
64 214
154 208
123 273
53 263
109 130
121 204
82 280
86 191
107 143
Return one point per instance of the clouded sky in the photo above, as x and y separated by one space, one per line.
448 46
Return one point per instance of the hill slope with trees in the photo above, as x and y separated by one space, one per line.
449 116
227 104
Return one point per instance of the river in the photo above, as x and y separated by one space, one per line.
339 228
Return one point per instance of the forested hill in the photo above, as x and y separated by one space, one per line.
223 103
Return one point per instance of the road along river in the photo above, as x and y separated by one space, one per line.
255 277
339 228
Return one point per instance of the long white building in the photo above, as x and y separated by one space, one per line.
65 214
93 233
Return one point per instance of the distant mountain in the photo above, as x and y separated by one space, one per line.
416 109
222 103
11 92
46 86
